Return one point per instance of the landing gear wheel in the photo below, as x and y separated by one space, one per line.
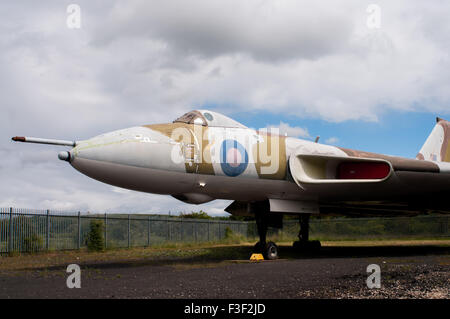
269 250
304 244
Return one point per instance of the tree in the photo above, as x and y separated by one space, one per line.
95 236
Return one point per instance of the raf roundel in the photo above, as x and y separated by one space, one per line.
234 158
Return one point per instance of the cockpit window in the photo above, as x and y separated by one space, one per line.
193 117
208 118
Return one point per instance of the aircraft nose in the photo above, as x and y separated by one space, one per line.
64 156
123 147
103 148
136 146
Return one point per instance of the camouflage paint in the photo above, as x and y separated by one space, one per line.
398 163
277 159
445 150
182 133
204 166
264 154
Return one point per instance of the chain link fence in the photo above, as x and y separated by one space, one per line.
28 230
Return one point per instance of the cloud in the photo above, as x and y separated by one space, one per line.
292 131
265 30
332 140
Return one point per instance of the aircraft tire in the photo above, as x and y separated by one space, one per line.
271 251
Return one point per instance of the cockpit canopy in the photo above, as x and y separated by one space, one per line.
208 118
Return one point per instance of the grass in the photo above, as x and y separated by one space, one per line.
184 254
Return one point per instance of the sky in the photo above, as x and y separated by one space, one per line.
359 76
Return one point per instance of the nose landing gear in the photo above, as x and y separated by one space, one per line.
268 249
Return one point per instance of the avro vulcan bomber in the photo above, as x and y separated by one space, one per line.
204 155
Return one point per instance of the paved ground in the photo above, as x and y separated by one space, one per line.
337 272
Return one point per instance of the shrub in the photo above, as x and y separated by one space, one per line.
196 215
232 237
228 233
32 243
95 236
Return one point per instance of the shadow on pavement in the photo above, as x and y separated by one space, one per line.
363 252
216 255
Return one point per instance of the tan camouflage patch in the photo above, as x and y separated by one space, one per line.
270 156
445 150
398 163
182 132
166 129
447 154
204 166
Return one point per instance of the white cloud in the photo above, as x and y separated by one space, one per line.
332 140
292 131
266 30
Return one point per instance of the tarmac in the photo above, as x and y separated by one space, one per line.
335 272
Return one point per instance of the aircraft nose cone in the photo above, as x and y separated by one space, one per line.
118 147
136 146
64 156
93 149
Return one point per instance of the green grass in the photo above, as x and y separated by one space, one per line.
181 254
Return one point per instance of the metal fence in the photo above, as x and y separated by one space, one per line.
25 230
372 228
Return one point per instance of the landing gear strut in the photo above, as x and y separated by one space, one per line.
268 250
304 243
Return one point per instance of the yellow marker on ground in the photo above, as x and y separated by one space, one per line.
256 257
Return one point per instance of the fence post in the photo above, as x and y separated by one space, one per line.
148 238
106 231
181 229
47 239
129 230
168 229
195 231
10 231
79 230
